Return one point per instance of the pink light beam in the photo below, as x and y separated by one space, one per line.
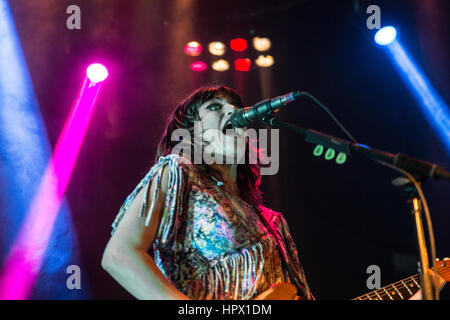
25 258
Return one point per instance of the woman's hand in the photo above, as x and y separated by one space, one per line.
441 284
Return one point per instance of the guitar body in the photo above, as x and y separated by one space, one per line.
281 291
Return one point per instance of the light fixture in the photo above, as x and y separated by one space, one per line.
220 65
238 44
261 44
198 66
193 48
385 35
242 64
264 61
96 72
216 48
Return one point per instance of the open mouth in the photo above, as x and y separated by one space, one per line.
228 129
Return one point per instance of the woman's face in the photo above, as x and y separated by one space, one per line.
222 142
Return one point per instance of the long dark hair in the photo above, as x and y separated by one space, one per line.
184 116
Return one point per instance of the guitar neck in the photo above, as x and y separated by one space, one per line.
400 290
406 288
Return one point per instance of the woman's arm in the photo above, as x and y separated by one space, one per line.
125 257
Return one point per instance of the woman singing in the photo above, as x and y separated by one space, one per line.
194 230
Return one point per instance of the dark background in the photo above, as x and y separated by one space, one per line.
343 218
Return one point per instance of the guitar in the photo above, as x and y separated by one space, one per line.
400 290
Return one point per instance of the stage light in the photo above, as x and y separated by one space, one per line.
261 44
198 66
217 48
220 65
193 48
26 256
265 61
33 248
385 35
433 106
238 44
243 64
96 72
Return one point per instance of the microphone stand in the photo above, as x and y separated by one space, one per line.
415 204
407 165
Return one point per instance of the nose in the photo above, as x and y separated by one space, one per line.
229 110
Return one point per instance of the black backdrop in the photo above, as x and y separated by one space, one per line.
343 218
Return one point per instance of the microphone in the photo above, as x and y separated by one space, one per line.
242 117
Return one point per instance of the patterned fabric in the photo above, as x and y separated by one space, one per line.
213 245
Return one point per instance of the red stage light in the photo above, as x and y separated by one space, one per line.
238 44
193 48
242 64
198 66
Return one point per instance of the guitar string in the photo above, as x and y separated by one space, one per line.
399 285
383 294
411 283
410 280
380 292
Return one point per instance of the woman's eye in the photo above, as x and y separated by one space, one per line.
214 107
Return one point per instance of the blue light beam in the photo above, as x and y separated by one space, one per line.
433 106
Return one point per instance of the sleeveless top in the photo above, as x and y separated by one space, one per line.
213 245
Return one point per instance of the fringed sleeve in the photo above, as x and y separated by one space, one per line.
172 201
288 250
293 253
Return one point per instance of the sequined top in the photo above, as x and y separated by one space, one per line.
213 245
